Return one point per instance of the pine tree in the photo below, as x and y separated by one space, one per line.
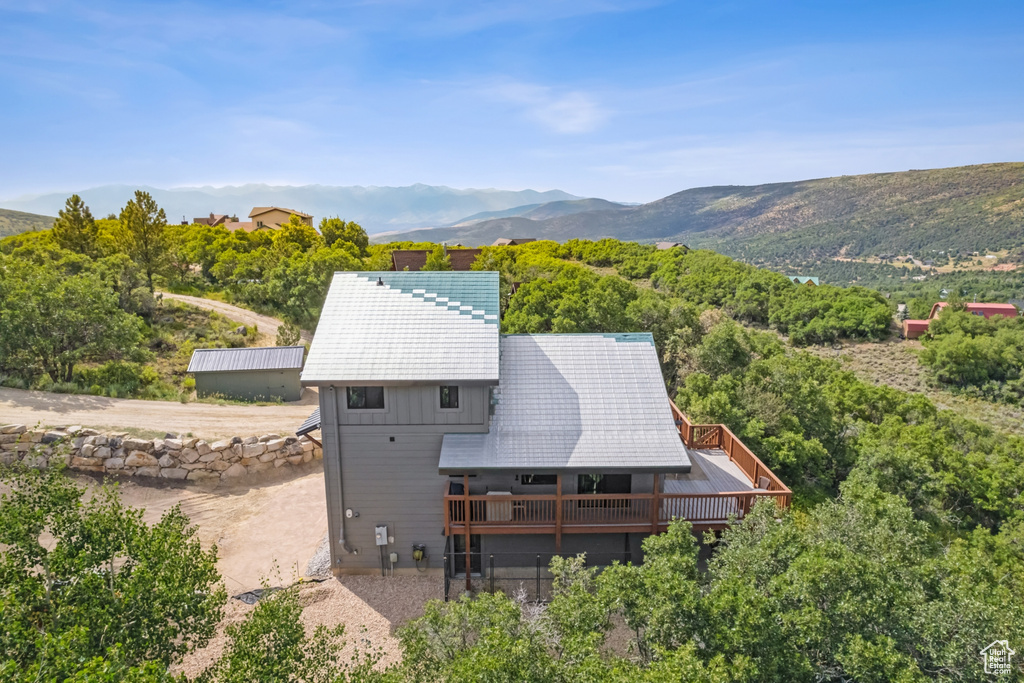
74 228
143 228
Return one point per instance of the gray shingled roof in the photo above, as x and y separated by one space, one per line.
574 402
239 360
432 326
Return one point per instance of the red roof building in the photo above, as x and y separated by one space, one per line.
987 310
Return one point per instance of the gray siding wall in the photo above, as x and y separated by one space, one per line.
419 405
256 385
393 483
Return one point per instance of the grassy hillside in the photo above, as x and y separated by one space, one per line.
14 222
967 208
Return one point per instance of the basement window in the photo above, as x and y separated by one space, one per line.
365 398
449 397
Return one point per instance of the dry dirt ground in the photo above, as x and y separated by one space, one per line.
202 420
270 532
266 325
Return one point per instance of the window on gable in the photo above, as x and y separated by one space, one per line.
449 397
365 398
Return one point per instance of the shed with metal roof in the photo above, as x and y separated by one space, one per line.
269 373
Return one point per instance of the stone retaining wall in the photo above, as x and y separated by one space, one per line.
172 457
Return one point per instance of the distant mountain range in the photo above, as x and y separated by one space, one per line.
14 222
968 208
377 209
538 212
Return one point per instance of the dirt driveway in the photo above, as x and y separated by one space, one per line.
202 420
264 323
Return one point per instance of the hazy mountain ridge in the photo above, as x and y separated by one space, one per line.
967 208
375 208
14 222
542 211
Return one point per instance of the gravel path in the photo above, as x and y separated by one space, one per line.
266 325
202 420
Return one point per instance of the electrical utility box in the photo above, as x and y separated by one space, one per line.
381 533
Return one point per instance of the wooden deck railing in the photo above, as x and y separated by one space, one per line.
720 437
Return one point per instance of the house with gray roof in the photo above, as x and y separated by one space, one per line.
268 373
446 441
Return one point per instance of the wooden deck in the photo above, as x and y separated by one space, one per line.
725 481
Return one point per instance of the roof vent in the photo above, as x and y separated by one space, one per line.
380 282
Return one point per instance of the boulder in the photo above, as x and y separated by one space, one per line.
295 459
8 438
318 453
88 432
101 452
79 461
258 467
173 473
210 457
167 461
268 457
168 435
249 440
248 461
190 442
86 450
202 447
78 441
73 429
218 465
22 446
173 444
140 459
158 445
269 437
306 457
195 466
235 470
114 463
189 455
96 440
280 462
236 439
220 445
253 450
307 446
275 444
148 472
39 462
12 429
53 437
290 440
133 444
203 475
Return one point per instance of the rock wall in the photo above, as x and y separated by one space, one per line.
172 457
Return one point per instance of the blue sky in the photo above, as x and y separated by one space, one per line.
620 99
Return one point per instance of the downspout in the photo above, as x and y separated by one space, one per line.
333 400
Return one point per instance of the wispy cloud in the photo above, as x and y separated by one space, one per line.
569 112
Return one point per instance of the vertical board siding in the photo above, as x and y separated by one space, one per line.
418 405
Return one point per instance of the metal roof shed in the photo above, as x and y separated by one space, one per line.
253 374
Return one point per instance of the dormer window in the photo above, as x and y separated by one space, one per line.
449 397
365 398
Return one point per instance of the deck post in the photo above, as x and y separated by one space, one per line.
466 511
656 504
558 512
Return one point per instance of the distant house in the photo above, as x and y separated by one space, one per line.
415 259
912 329
245 226
214 219
268 373
661 246
512 241
274 216
804 280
